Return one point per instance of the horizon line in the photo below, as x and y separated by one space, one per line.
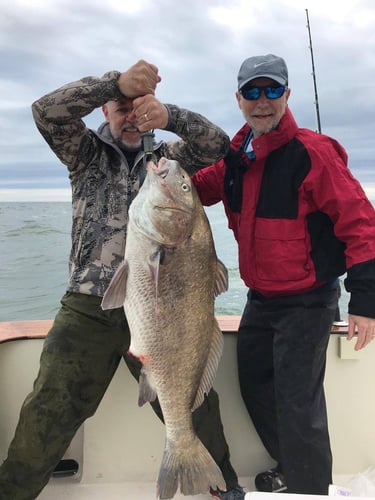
65 194
31 194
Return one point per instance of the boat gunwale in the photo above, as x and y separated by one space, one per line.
38 329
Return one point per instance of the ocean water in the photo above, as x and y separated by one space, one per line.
35 246
34 250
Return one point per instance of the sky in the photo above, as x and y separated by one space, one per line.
198 46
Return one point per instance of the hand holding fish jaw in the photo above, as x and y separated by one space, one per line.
139 79
150 113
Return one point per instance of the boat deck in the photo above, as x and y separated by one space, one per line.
119 449
140 491
114 491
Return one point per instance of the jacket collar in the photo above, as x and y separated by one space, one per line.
267 143
105 135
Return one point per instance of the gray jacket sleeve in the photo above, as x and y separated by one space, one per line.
202 144
59 118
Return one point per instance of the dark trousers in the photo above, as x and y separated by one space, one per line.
282 345
79 358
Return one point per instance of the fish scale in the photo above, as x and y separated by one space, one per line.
167 286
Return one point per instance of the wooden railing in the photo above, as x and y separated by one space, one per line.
38 329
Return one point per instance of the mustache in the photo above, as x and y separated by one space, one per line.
130 128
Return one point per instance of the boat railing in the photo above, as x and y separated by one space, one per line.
38 329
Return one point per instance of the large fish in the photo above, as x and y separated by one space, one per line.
167 285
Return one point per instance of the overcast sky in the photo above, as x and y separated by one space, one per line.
198 46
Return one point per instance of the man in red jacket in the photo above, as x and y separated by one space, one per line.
301 220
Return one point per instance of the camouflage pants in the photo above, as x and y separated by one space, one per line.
80 356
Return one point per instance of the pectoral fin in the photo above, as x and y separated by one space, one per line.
161 257
154 262
114 296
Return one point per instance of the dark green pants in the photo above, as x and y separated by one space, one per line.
80 356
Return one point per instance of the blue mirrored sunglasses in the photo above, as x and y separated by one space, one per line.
253 93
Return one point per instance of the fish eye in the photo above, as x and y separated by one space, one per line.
185 187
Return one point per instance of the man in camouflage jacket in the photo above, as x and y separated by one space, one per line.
85 344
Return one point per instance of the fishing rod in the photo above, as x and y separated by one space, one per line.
313 74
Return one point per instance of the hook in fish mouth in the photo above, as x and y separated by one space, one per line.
159 169
163 173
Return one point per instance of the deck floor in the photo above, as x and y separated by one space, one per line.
114 491
130 491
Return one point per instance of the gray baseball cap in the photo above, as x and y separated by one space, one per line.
268 66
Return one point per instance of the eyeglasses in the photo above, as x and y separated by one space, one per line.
253 93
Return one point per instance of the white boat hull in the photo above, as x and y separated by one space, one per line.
123 443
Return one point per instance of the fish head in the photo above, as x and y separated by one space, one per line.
165 206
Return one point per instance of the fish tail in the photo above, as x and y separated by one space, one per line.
192 468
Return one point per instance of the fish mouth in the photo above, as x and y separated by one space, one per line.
158 169
171 209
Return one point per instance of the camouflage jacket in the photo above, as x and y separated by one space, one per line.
103 184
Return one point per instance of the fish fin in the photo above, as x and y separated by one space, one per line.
114 296
221 278
161 257
191 467
211 367
146 392
154 263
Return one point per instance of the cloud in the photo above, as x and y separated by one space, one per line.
198 46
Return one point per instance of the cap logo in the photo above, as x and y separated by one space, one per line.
267 66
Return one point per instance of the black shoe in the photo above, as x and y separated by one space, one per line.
236 493
271 481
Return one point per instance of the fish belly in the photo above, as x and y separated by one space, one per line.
171 331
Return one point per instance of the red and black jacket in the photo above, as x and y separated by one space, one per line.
299 216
